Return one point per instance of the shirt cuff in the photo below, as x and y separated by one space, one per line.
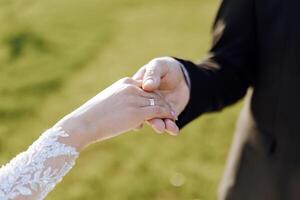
186 75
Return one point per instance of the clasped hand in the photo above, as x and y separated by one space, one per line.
156 94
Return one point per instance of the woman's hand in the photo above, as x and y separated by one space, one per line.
121 107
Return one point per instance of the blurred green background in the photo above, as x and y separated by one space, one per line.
56 54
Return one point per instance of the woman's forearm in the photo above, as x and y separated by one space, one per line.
35 172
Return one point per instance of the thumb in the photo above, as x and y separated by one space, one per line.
151 80
152 77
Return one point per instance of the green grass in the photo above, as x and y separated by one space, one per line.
56 54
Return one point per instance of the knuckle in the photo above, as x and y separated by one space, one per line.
154 63
126 80
150 71
161 60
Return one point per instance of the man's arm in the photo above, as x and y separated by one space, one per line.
219 80
225 75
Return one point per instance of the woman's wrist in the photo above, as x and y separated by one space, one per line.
78 132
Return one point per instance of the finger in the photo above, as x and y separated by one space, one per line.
151 80
155 70
152 102
157 100
158 125
151 112
153 95
139 75
148 95
138 83
171 127
131 81
157 97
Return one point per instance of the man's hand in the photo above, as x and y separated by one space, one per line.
164 75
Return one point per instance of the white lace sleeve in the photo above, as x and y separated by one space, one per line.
35 172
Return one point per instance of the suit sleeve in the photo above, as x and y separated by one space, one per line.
225 75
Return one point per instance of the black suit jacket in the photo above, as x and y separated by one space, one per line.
256 44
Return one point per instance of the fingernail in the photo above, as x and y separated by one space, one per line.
173 133
174 115
149 81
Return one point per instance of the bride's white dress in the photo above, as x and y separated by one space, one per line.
35 172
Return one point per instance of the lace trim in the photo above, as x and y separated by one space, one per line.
34 173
